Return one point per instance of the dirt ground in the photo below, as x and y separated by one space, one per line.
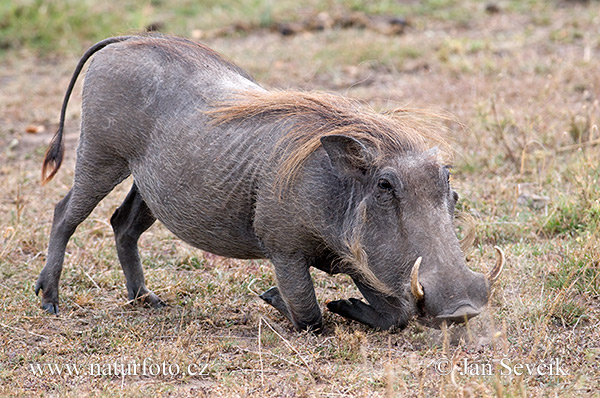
522 88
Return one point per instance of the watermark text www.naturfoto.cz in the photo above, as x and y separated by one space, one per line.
499 367
144 368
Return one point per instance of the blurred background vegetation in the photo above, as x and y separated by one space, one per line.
51 26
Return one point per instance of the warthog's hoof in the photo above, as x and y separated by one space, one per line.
361 312
154 301
51 308
147 298
49 300
273 297
342 307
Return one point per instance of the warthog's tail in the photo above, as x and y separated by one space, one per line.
55 152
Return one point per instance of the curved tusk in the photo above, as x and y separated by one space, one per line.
415 287
495 272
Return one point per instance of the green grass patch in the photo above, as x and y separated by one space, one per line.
577 273
577 212
569 312
49 26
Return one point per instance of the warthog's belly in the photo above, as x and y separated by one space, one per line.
205 199
198 221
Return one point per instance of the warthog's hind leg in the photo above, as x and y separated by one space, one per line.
129 221
63 227
96 174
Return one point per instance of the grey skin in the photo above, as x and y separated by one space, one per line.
213 187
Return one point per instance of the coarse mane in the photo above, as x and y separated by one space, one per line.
313 115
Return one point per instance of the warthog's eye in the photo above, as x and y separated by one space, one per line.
385 185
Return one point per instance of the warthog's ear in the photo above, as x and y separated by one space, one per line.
347 155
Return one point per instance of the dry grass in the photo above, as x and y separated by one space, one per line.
526 87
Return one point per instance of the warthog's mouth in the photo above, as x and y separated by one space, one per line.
460 315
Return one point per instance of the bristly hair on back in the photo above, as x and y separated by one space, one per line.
318 114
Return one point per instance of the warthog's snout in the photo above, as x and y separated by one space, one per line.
454 297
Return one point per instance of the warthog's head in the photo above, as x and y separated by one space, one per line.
401 235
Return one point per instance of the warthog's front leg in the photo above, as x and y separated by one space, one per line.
358 311
129 221
381 313
295 295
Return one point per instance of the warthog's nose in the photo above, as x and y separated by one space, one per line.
460 315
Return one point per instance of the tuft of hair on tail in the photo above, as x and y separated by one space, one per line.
54 157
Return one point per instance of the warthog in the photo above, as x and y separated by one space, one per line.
302 179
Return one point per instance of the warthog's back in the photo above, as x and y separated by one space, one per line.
144 102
